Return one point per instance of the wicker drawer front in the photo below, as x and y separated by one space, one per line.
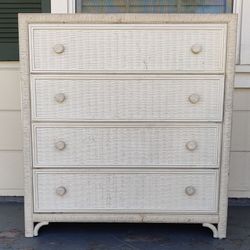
165 191
74 98
115 145
128 48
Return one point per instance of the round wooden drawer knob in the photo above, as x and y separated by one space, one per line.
191 145
190 190
196 48
60 145
58 48
60 97
61 191
194 98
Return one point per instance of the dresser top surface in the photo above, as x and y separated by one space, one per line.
127 18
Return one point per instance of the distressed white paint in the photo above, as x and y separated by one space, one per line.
62 6
237 8
245 34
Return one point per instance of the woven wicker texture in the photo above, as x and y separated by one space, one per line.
163 170
127 191
138 48
128 99
128 146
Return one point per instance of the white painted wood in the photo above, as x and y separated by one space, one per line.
126 217
124 48
62 6
38 226
59 6
237 8
71 6
213 228
126 191
10 130
245 33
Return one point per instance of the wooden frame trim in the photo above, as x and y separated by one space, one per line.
237 9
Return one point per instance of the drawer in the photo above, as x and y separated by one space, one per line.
188 191
114 145
138 48
131 98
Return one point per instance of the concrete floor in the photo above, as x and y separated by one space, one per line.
74 236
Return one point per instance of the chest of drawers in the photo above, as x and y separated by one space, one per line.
126 118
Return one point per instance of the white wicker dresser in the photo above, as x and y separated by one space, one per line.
127 118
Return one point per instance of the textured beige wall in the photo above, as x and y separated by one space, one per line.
11 166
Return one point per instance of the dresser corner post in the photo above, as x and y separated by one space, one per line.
23 22
227 126
28 215
29 229
222 230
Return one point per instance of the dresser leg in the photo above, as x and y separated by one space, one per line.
38 226
222 230
29 229
213 228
